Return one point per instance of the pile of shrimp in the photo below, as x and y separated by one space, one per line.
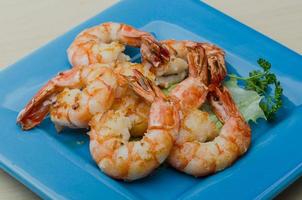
116 100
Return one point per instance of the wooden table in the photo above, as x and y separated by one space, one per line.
26 25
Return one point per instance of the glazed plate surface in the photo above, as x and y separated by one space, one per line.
59 166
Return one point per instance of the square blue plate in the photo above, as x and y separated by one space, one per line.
58 166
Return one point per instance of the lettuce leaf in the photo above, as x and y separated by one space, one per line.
247 101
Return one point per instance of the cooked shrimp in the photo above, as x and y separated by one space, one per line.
191 152
129 160
200 158
80 93
106 42
72 97
175 69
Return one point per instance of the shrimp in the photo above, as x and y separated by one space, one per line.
196 126
175 69
106 42
202 158
72 97
120 158
88 92
200 149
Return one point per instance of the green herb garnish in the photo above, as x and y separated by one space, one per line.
259 81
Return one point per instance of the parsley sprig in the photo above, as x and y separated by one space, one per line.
259 81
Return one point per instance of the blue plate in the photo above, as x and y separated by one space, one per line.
58 166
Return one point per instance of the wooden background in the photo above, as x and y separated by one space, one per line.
26 25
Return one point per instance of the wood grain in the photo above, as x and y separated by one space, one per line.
26 25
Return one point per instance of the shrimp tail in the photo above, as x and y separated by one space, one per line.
236 130
144 87
216 64
223 104
198 64
154 52
37 109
